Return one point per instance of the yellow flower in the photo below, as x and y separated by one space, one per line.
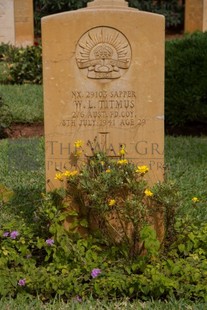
148 193
73 173
59 176
108 170
142 169
78 153
112 202
122 151
78 143
195 199
102 163
69 173
122 162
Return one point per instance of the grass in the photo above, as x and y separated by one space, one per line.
22 172
186 160
24 101
35 304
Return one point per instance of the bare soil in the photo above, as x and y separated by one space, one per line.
172 36
195 129
17 130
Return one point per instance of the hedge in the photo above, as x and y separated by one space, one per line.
186 80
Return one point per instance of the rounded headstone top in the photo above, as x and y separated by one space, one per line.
108 3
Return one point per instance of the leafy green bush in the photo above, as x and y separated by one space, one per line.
44 259
24 64
109 197
6 51
186 79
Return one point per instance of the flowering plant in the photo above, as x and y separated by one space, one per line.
110 211
110 199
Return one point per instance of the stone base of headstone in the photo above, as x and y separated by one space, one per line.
116 228
70 221
157 220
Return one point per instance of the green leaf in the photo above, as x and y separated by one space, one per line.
181 247
84 223
72 213
131 290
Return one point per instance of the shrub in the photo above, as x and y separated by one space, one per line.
110 198
5 49
24 64
44 259
186 79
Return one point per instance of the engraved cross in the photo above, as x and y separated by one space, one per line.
103 140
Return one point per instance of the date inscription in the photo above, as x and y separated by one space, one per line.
103 109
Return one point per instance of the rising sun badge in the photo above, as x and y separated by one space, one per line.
103 53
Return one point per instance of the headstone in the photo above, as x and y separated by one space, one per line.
7 31
24 22
195 15
104 84
16 22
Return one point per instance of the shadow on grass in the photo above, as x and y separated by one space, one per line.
22 172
